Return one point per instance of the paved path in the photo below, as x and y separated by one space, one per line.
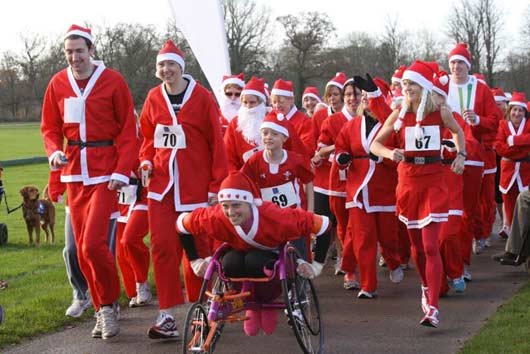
388 324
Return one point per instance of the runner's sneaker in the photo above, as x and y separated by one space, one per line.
165 327
404 266
338 266
425 299
477 247
143 295
77 308
366 295
109 322
467 275
396 275
96 331
382 262
504 232
350 281
431 318
458 284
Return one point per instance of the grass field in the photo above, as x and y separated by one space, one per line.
20 141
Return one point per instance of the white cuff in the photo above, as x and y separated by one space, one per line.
180 224
146 162
509 140
120 177
52 157
374 94
325 224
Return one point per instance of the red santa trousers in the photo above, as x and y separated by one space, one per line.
337 205
509 200
167 255
366 230
90 210
472 187
426 255
450 247
487 205
131 251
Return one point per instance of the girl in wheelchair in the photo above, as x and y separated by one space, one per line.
254 230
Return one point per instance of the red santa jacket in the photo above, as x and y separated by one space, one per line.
303 126
195 170
322 170
328 135
513 170
376 180
271 226
103 112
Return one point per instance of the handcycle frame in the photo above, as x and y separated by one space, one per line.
219 304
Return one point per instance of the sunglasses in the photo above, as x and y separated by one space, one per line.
233 94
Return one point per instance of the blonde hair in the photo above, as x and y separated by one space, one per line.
430 105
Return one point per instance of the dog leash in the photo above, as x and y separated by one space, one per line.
2 193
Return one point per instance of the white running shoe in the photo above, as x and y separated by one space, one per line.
467 275
477 247
77 308
338 266
165 327
396 275
431 318
382 262
96 331
143 295
366 295
109 322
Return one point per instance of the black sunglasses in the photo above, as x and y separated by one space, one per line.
233 94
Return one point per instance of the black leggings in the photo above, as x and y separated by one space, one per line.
240 264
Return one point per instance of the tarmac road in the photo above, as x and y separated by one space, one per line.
386 325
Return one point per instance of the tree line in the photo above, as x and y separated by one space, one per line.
310 53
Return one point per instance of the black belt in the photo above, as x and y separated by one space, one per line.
526 159
447 161
371 157
136 182
84 144
422 160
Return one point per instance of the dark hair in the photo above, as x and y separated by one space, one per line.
353 85
89 44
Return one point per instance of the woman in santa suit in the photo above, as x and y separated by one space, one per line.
513 145
184 155
422 192
370 200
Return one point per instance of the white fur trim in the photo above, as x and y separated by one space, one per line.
336 84
79 33
417 78
255 93
500 98
120 177
171 56
233 80
279 92
460 57
276 127
374 94
180 224
509 140
516 103
325 224
439 91
310 94
231 194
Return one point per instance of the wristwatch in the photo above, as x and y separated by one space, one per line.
461 153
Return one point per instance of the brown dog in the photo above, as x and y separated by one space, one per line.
37 212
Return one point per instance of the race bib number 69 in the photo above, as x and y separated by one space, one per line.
430 141
169 137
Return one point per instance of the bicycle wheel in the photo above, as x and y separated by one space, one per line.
303 308
196 330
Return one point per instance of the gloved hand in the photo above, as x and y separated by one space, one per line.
367 84
308 270
344 158
200 265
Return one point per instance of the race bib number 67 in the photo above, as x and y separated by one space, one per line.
430 141
169 137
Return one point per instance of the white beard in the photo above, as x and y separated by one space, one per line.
249 122
230 108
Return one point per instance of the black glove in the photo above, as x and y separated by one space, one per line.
367 84
343 158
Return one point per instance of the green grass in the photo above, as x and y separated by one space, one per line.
506 332
20 141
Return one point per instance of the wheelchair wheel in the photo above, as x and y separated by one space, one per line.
303 308
196 330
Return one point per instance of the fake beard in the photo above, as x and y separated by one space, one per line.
249 122
230 108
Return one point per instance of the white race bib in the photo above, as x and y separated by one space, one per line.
74 109
249 153
169 137
284 195
430 141
343 175
127 194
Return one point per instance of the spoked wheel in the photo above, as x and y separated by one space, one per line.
196 330
303 308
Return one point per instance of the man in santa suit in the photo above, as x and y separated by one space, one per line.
184 155
472 99
282 98
242 137
232 85
91 107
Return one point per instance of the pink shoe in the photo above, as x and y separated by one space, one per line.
252 325
269 321
431 318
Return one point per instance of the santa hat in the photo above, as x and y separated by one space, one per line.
480 78
499 95
382 85
238 187
460 52
170 52
518 99
311 91
238 80
76 30
398 74
441 83
397 99
422 74
283 88
276 122
339 80
255 86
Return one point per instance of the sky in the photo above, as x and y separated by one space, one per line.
51 18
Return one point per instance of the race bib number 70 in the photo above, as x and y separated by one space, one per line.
169 137
430 141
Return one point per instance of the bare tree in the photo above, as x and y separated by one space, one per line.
491 28
248 30
10 87
392 46
306 33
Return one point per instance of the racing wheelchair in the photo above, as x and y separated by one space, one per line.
220 303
